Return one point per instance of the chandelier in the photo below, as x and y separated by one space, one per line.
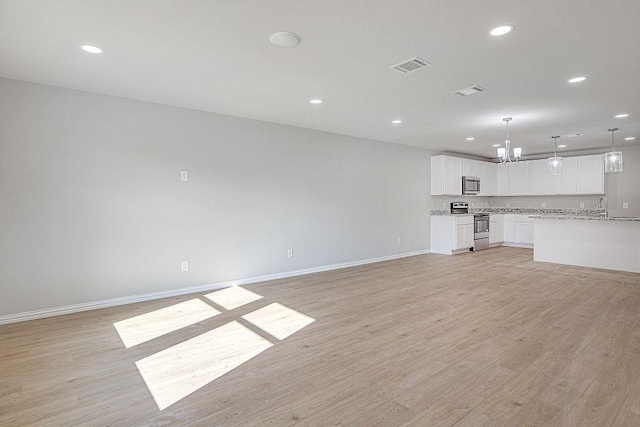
503 152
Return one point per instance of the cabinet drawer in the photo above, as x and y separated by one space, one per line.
466 219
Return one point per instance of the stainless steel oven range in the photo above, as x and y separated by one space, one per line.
480 231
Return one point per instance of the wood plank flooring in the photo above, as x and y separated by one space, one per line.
489 338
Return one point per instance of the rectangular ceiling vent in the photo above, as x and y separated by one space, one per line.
469 91
411 65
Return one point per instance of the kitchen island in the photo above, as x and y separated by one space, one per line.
589 241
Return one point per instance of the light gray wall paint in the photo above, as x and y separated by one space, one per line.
619 187
92 207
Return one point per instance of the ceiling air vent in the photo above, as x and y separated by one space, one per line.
411 65
469 91
571 135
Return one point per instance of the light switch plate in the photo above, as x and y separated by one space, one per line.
184 176
544 204
625 205
581 205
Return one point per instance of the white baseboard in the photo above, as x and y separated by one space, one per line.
58 311
518 245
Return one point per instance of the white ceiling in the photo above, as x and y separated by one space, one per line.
215 56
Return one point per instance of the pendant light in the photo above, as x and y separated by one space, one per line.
613 159
503 152
554 164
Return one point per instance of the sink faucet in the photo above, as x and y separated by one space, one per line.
604 206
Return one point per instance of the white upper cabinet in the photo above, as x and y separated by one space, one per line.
470 168
437 175
485 173
446 176
518 178
452 175
540 180
502 187
590 178
566 182
580 175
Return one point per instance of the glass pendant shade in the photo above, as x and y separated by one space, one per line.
517 152
554 165
613 159
613 162
501 152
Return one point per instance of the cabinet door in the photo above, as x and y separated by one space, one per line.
464 236
509 228
485 173
524 232
437 175
590 175
518 178
566 183
453 176
493 231
469 167
539 178
502 184
460 237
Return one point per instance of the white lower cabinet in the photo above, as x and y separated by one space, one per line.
496 229
518 230
451 233
464 236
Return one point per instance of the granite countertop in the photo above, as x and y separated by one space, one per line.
589 213
588 218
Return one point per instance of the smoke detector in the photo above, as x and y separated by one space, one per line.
469 91
411 65
285 39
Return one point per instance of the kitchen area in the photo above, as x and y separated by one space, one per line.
582 217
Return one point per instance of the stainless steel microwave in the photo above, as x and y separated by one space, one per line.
470 185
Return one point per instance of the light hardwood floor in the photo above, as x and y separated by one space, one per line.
489 338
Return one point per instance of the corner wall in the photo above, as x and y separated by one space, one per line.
92 206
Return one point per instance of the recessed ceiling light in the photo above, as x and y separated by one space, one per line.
285 39
630 138
470 138
496 145
316 101
91 49
501 30
396 122
562 146
577 79
621 116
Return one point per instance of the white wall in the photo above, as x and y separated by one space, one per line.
92 207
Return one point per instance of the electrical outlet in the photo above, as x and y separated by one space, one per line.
581 205
184 176
444 206
625 205
544 205
184 265
289 253
399 240
508 204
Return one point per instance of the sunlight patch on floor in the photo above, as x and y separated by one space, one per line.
233 297
278 320
178 371
146 327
